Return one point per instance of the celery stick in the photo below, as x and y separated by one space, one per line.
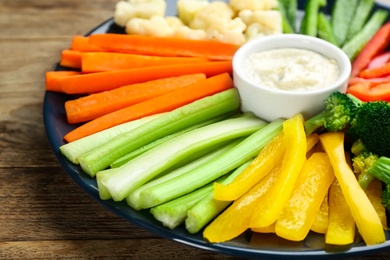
356 44
360 17
72 151
185 116
124 159
208 208
143 168
133 198
341 18
103 192
287 26
174 212
208 172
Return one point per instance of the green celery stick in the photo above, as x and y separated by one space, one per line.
104 194
124 159
174 212
341 18
287 26
356 44
148 165
133 198
72 151
290 7
325 31
362 12
208 172
201 110
309 24
208 208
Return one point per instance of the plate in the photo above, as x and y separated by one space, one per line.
247 245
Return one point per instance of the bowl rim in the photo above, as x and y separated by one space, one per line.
288 40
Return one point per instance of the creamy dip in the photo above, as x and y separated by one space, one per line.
291 69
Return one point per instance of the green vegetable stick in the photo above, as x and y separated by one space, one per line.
360 17
287 26
291 8
325 31
208 208
200 176
174 212
309 25
201 110
124 159
342 15
145 167
356 44
133 198
72 151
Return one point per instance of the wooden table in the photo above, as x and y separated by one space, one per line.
43 213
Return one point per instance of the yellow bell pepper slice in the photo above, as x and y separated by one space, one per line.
298 215
374 194
235 219
269 156
367 220
321 221
268 210
267 229
341 229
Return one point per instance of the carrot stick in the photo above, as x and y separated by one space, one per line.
96 105
376 72
165 46
53 77
164 103
103 81
106 61
71 59
81 43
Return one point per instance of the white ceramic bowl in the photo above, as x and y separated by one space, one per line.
270 104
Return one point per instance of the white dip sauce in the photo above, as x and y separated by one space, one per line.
291 69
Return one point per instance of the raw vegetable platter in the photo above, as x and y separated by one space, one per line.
247 245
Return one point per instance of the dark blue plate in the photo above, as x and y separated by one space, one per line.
247 245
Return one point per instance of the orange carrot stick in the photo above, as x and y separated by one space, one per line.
96 105
81 43
71 59
376 72
103 81
163 103
165 46
106 61
53 77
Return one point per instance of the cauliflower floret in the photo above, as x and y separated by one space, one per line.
239 5
262 23
188 33
126 10
174 22
154 26
210 14
187 9
227 30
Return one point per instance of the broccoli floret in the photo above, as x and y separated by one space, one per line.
361 164
339 110
358 147
369 166
372 126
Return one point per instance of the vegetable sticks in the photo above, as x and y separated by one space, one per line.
81 43
96 105
71 59
164 46
155 105
53 77
107 61
103 81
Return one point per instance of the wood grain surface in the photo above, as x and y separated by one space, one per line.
43 213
